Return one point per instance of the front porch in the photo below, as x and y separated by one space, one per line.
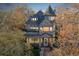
41 42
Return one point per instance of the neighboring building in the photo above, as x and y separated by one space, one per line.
41 28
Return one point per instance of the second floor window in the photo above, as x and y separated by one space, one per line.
46 29
34 19
51 18
36 28
50 29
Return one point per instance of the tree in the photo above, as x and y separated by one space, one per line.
11 36
68 22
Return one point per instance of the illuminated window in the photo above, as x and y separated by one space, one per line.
54 26
34 28
34 19
51 18
51 29
34 39
46 29
41 28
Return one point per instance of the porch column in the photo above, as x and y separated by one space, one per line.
52 41
27 40
41 40
49 40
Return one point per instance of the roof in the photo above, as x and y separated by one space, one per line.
41 19
37 34
39 15
50 11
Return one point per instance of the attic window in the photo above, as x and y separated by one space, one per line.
34 19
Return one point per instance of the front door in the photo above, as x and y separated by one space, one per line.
45 42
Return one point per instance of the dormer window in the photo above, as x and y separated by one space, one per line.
34 19
51 18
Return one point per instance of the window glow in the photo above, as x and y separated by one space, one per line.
41 28
34 19
46 29
33 27
51 18
50 28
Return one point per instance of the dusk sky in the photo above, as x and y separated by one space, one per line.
36 6
41 6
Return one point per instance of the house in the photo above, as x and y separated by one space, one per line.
41 28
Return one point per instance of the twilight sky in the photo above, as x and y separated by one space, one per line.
37 6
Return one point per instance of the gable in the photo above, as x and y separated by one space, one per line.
50 11
46 22
40 17
41 20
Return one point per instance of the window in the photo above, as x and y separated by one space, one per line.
51 18
41 28
51 29
53 26
34 28
34 19
46 29
34 39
